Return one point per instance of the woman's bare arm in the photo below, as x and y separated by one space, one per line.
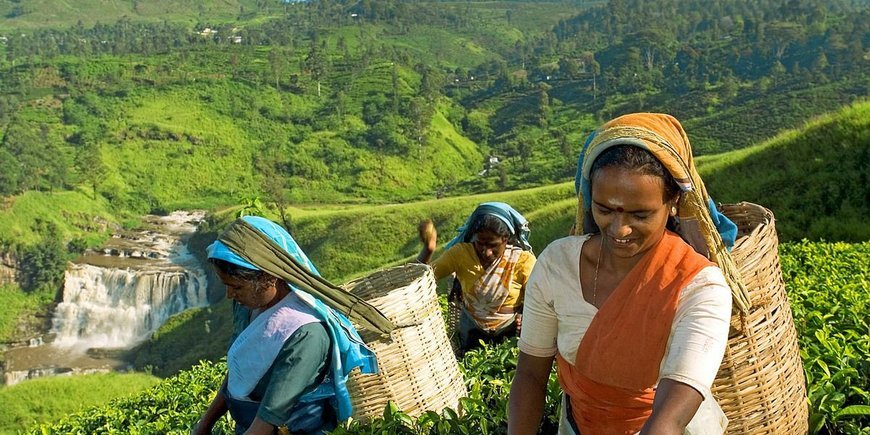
528 394
216 409
673 407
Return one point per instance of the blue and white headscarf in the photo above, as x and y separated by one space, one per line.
518 224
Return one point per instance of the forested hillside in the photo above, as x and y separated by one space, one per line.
331 101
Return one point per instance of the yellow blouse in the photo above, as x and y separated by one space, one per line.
462 260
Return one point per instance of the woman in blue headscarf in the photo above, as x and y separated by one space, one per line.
292 347
492 259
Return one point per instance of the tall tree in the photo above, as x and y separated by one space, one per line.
89 163
277 62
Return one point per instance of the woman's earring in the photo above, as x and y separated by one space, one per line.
673 211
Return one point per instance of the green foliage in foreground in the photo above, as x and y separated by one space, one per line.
170 407
827 286
48 399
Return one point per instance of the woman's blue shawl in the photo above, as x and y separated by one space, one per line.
348 349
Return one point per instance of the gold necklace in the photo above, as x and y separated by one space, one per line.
595 279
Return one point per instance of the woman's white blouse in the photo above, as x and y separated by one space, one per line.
555 318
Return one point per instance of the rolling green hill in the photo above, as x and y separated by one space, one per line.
814 179
324 102
47 13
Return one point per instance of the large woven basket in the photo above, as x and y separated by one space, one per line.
760 385
417 369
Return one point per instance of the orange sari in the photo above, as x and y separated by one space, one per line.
611 385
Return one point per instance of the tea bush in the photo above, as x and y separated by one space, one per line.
828 289
171 407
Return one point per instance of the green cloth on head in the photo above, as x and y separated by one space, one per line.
258 249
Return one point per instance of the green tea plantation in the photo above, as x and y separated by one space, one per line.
827 285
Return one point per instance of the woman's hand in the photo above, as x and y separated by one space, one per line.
260 427
201 428
429 237
216 409
427 233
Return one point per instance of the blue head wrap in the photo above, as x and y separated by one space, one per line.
518 224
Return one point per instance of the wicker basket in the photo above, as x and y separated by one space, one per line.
417 369
760 385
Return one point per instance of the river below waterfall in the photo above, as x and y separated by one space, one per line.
114 298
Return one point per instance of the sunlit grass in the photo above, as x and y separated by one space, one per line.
46 400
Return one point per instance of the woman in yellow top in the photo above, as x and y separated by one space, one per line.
492 260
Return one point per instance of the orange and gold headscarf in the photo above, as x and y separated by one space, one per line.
664 137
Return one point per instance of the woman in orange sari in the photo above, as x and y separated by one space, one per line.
635 312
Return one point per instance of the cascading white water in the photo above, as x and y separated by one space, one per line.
116 308
116 301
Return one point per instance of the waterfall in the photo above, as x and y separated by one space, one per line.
120 307
117 298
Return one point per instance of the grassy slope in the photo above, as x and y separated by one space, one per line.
45 400
156 166
212 159
17 305
814 179
75 214
762 115
375 236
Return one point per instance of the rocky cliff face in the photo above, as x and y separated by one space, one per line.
8 268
